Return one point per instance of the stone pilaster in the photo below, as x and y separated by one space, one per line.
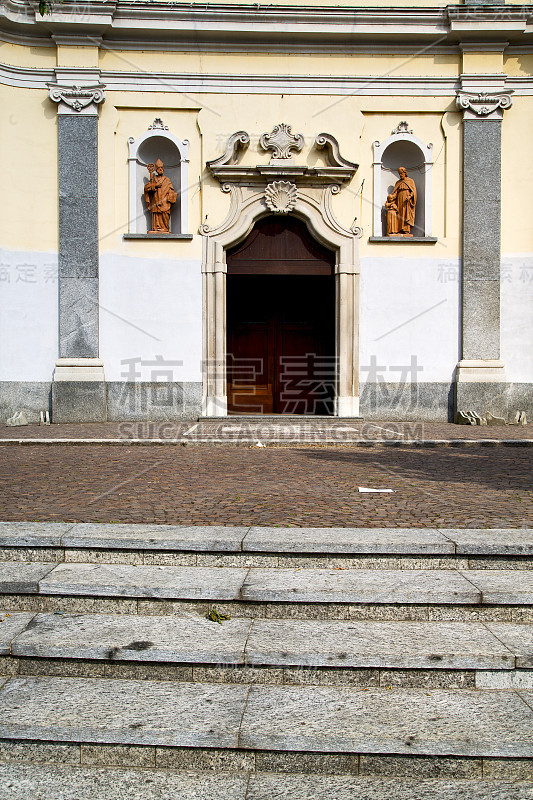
78 390
480 380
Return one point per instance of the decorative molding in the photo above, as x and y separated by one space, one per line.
484 104
158 124
402 127
329 142
358 85
281 196
282 141
229 157
74 99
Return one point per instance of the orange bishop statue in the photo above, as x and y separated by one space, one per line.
160 196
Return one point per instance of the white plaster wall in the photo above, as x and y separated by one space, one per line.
409 308
150 308
28 315
516 303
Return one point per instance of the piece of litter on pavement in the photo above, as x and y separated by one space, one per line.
259 444
363 489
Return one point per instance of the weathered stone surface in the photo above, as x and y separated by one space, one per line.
359 586
504 679
32 534
39 752
496 541
337 787
420 645
16 577
155 537
134 638
21 782
206 760
346 540
121 712
411 721
79 401
188 583
519 640
512 587
10 626
421 767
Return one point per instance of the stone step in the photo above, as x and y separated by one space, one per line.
59 782
279 540
400 645
292 652
256 585
269 718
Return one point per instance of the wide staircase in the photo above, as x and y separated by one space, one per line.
220 663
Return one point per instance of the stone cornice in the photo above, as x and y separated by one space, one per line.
155 22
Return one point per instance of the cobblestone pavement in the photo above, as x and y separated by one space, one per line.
338 428
305 486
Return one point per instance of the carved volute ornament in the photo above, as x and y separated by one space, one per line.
160 196
401 205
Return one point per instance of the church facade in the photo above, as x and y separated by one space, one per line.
219 209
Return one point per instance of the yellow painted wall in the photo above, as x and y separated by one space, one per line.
28 136
517 177
280 63
22 56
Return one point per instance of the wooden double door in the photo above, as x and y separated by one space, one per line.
280 322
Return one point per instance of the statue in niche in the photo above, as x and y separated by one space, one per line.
401 205
160 196
392 216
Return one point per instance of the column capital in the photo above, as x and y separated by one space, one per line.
484 105
77 93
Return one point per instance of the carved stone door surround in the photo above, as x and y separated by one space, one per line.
280 187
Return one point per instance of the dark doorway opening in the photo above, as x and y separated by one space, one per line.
280 322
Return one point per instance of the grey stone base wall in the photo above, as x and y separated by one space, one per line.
429 402
92 401
158 401
501 399
116 401
79 401
30 397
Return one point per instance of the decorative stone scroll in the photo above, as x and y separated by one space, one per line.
77 98
484 104
281 196
282 141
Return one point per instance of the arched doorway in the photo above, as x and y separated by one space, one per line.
280 305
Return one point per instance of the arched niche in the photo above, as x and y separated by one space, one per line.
156 143
403 149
